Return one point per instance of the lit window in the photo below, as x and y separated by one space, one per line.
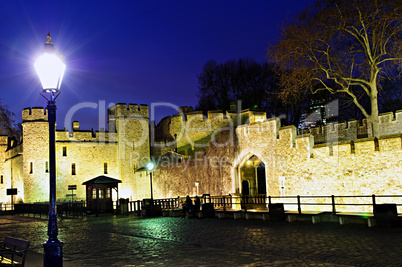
64 151
105 168
73 169
100 193
31 167
108 193
94 193
47 166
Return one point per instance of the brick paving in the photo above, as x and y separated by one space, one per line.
110 240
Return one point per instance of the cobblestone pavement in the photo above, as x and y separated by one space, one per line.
132 241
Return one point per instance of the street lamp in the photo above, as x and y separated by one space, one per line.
50 68
150 167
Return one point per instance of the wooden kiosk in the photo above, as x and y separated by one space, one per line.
99 194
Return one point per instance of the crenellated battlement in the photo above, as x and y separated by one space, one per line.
361 146
85 136
269 133
190 126
355 129
129 111
246 116
195 115
34 114
3 140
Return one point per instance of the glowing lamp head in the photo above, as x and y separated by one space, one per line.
150 166
50 67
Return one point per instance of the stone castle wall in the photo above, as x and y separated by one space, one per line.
340 158
363 166
354 129
11 169
122 149
211 168
191 127
35 146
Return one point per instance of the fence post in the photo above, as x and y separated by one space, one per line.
269 200
373 198
299 204
333 204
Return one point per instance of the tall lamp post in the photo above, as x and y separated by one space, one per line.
150 167
50 68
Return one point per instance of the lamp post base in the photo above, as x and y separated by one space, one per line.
53 256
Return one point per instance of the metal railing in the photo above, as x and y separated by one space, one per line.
166 203
6 207
65 209
300 204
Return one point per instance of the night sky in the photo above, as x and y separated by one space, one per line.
139 52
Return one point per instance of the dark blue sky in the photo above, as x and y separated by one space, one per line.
140 52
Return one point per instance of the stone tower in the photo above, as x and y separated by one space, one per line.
131 124
35 166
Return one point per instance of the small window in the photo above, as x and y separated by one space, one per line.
108 193
100 193
73 169
64 151
105 168
1 179
46 166
31 167
94 193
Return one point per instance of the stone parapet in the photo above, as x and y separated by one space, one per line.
305 144
287 136
342 148
390 143
34 114
323 150
366 145
355 129
130 110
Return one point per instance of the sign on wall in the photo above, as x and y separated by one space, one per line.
72 187
11 191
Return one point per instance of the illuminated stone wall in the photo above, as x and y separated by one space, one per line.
123 148
11 170
131 124
89 159
211 168
35 154
355 129
3 168
362 167
193 126
338 159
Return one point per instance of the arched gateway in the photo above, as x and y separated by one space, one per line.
249 175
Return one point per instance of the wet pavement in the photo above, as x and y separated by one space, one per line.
134 241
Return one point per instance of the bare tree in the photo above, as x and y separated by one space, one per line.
7 126
255 84
343 47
